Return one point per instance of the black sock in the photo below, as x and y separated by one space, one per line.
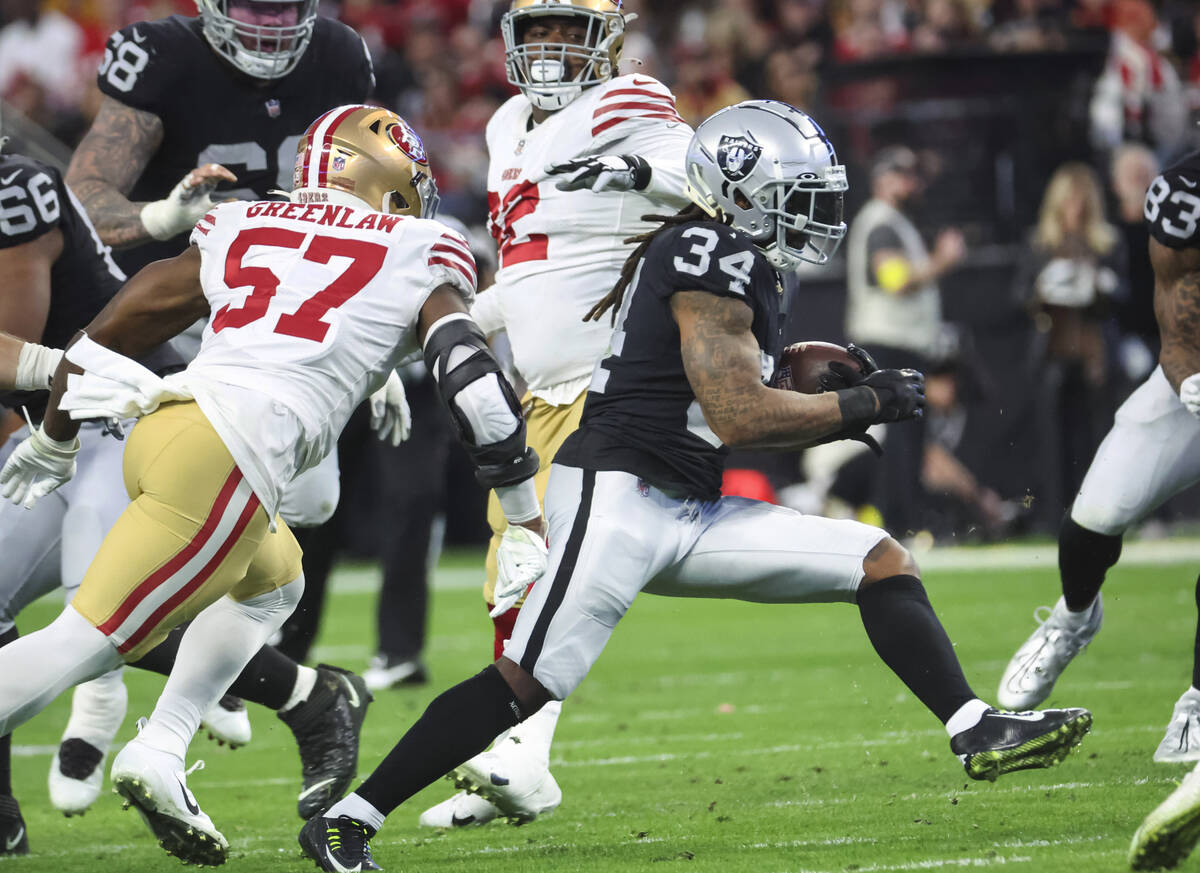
1084 557
1196 650
6 741
268 679
906 633
456 726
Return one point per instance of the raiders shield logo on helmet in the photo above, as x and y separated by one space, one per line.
405 137
737 155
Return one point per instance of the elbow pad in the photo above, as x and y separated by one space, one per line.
482 404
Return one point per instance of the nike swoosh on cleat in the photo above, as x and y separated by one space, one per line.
353 694
497 780
1024 716
457 822
187 798
334 865
10 178
323 783
12 842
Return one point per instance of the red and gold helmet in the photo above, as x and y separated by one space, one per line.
369 153
540 70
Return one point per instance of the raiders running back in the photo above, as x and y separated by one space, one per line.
35 202
641 415
1172 207
212 113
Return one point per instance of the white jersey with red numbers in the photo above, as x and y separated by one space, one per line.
562 251
311 306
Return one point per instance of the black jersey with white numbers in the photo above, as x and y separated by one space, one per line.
641 415
34 201
1172 206
213 113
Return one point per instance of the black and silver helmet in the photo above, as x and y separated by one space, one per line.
770 171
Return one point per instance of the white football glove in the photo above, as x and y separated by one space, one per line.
186 204
36 467
1189 393
521 560
391 418
602 173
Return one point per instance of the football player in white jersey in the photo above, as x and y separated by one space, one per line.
575 162
310 305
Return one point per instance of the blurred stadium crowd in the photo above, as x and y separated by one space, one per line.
995 98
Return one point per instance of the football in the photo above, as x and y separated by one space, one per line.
801 365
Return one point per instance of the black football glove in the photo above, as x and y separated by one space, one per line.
901 394
602 173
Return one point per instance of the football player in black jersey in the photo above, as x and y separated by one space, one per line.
634 499
58 276
195 109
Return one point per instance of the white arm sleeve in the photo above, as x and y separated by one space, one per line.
486 311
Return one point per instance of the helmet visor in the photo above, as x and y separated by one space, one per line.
809 214
535 62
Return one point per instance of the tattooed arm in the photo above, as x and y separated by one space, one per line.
721 358
1177 308
108 162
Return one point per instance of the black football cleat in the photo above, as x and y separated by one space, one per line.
327 726
1003 742
340 845
13 839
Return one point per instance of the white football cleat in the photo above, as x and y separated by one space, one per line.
1182 741
156 783
1033 670
227 722
462 810
1171 830
520 787
77 769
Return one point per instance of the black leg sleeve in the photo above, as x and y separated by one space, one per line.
1196 649
906 633
1084 557
456 726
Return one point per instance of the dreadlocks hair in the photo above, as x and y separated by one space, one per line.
613 299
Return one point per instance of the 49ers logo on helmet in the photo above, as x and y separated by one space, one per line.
405 137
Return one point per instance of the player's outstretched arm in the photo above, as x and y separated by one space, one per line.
1177 308
161 299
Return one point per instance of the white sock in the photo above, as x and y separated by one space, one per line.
967 716
358 809
38 667
1069 616
215 648
98 708
306 681
536 733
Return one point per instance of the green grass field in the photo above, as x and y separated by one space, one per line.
716 738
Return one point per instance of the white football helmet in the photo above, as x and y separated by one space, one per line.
770 171
540 70
261 51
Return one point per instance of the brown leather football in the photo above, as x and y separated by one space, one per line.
801 365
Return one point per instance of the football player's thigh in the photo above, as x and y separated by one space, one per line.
1151 454
96 501
186 539
275 563
769 554
546 427
606 540
312 497
29 545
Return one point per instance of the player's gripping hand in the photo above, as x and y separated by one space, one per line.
521 559
391 419
187 202
36 467
602 173
901 394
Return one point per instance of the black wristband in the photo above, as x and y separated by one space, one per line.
641 171
857 406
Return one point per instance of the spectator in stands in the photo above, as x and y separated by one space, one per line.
1069 277
894 309
41 49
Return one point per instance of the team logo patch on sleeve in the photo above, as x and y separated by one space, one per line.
737 156
405 137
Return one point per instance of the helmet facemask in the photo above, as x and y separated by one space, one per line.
259 50
541 70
